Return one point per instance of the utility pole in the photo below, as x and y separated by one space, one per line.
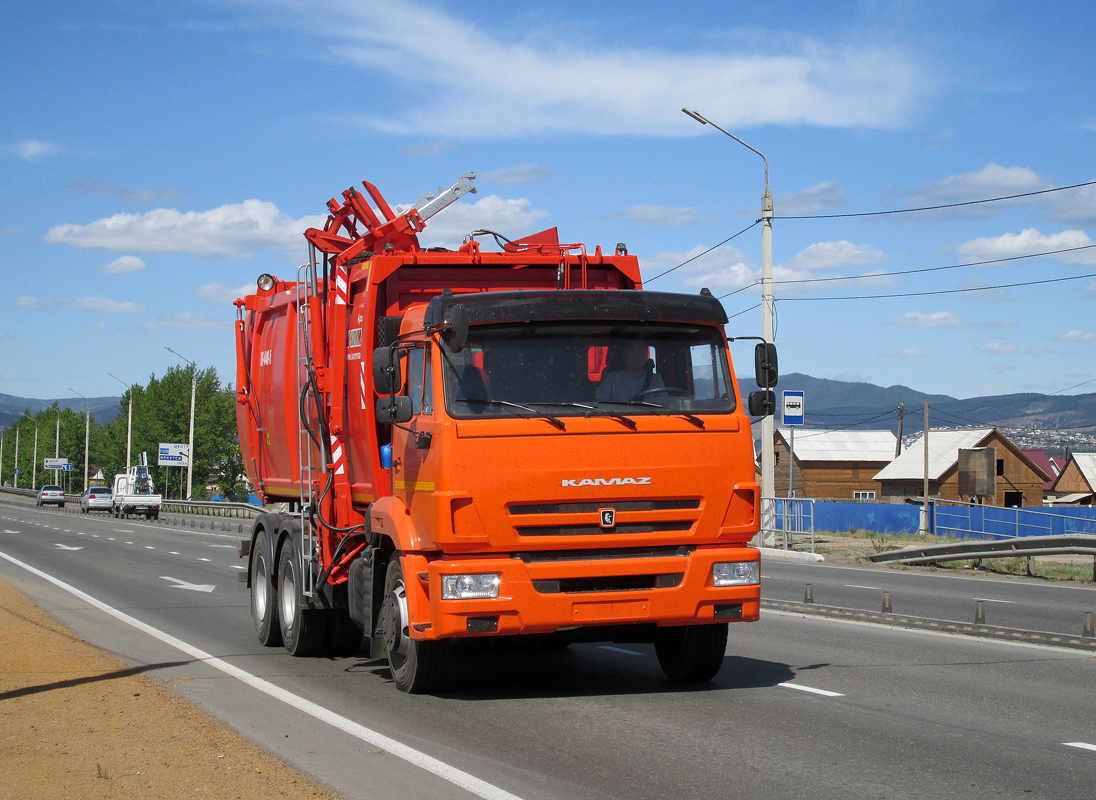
16 479
768 453
901 421
87 433
925 506
129 422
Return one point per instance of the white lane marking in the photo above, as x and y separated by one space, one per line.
66 547
7 531
129 542
856 586
600 647
237 566
229 546
193 587
93 536
412 756
810 689
203 559
1081 745
119 530
991 600
149 547
173 552
110 539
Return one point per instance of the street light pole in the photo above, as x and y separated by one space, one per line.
129 422
34 466
87 434
15 473
768 455
190 443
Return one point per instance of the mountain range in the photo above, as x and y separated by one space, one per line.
828 403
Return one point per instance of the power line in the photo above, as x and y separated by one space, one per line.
698 255
936 208
944 291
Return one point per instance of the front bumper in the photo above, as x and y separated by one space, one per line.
540 595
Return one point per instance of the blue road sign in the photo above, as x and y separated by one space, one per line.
793 408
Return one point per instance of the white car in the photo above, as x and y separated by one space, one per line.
96 498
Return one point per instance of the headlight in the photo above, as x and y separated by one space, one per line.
469 587
736 573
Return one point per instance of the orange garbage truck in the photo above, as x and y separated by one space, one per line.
517 442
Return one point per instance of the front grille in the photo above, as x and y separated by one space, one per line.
593 508
597 530
608 583
541 556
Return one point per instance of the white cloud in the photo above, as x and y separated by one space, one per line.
992 180
238 229
222 295
34 151
139 197
187 321
512 218
832 256
904 354
426 149
6 376
1001 348
10 231
97 305
1029 241
521 174
124 264
811 201
919 319
659 217
1077 335
722 270
519 85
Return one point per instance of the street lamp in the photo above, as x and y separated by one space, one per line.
190 443
34 466
87 434
768 456
129 423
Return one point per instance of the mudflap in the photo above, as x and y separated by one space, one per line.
363 597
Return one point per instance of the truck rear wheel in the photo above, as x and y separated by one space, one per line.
264 602
302 629
693 652
416 664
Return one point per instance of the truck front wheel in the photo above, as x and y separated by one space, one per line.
416 664
264 604
302 629
693 652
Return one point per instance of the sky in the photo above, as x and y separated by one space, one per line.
156 158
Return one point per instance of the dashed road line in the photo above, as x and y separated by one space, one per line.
856 586
810 689
1081 745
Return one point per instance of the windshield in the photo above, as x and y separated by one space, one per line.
587 368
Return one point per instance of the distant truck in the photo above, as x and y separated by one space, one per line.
134 493
518 444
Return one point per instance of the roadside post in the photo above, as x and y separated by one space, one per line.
794 411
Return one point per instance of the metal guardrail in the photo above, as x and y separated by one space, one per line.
788 516
1079 544
211 508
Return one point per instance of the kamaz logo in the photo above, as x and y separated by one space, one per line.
607 482
266 358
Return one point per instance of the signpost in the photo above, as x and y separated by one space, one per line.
794 411
58 463
174 455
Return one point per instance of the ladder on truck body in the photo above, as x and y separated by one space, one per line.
306 289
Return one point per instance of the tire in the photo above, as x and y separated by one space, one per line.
416 664
264 599
344 637
692 653
302 629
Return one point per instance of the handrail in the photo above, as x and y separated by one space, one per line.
212 508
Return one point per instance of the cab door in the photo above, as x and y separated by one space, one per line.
414 445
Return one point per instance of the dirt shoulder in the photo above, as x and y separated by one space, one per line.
75 722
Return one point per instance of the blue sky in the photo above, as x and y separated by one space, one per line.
155 158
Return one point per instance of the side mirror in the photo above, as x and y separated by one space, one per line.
386 370
394 409
762 403
456 335
765 365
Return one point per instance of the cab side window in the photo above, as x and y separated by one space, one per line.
420 380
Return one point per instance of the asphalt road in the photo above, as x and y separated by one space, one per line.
804 707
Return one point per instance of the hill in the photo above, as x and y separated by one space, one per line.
103 409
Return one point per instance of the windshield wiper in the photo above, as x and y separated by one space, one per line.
695 420
600 412
554 420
